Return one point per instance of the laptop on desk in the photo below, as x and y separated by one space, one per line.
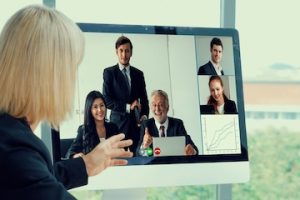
168 146
207 109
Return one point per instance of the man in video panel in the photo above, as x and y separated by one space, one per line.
161 125
124 90
213 67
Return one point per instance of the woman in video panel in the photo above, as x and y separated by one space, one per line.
95 128
220 102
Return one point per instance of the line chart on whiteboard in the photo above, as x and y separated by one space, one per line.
221 134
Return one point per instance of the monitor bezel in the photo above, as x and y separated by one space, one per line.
197 31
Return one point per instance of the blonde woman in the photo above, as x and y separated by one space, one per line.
40 50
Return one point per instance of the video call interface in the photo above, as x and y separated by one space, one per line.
170 58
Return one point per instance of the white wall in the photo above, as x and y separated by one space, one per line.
204 13
10 7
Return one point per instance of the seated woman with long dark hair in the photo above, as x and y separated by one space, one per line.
95 127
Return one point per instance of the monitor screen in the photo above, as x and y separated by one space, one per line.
170 58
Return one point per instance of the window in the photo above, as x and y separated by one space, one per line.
269 53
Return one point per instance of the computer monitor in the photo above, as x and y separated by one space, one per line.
170 58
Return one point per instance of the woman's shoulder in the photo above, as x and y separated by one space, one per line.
231 102
81 127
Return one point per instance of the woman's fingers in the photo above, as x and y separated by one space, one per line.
116 138
123 143
119 162
117 141
120 153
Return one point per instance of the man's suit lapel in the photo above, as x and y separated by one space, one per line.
170 131
213 71
154 130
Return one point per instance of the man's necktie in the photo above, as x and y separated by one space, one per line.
162 131
126 79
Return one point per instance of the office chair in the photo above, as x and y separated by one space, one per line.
64 146
59 146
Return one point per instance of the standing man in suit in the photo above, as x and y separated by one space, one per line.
161 125
124 90
213 67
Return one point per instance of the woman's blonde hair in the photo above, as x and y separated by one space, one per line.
40 50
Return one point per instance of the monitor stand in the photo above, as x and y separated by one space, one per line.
223 193
125 194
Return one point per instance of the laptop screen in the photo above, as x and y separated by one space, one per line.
168 146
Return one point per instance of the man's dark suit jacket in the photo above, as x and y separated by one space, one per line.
116 97
175 128
208 69
26 170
